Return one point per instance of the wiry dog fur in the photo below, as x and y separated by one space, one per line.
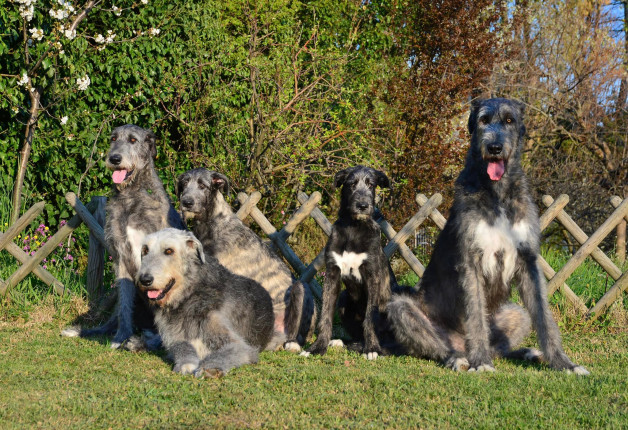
461 313
139 205
240 250
354 256
210 320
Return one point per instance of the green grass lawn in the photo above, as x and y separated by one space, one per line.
53 382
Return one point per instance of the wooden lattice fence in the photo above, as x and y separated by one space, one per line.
93 216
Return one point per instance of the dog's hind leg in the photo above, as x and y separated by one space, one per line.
509 326
419 336
533 291
230 356
126 302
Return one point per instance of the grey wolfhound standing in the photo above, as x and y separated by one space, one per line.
240 250
210 320
461 313
139 205
354 256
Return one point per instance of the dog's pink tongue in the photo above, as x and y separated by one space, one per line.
153 294
495 170
118 176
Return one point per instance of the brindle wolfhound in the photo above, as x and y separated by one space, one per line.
240 250
210 319
461 313
139 205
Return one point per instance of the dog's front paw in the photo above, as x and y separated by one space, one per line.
459 364
73 331
292 347
185 368
533 355
336 343
578 370
135 344
482 368
209 373
371 355
318 348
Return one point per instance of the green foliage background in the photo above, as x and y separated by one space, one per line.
276 94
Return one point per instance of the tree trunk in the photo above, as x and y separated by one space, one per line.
25 153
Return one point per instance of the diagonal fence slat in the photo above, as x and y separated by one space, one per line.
43 252
412 224
597 254
589 245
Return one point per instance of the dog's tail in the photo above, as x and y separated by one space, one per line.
107 328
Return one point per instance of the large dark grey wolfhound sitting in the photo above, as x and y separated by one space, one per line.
210 320
354 256
240 250
139 205
461 314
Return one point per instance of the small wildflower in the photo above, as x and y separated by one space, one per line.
144 1
153 32
99 39
64 121
116 10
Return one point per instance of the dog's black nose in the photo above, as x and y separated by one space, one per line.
146 279
187 202
362 206
494 148
115 159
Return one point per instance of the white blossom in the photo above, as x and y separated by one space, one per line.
99 39
27 8
116 10
153 31
37 33
64 120
110 36
144 1
64 12
70 34
23 80
83 83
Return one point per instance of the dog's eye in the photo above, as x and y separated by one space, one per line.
113 139
144 250
484 119
508 120
133 140
201 186
169 251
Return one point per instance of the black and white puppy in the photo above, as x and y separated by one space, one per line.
354 256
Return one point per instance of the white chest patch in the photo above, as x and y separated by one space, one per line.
501 237
349 263
134 238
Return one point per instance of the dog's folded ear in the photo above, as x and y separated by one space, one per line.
473 116
181 181
194 245
151 139
220 182
382 179
341 176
